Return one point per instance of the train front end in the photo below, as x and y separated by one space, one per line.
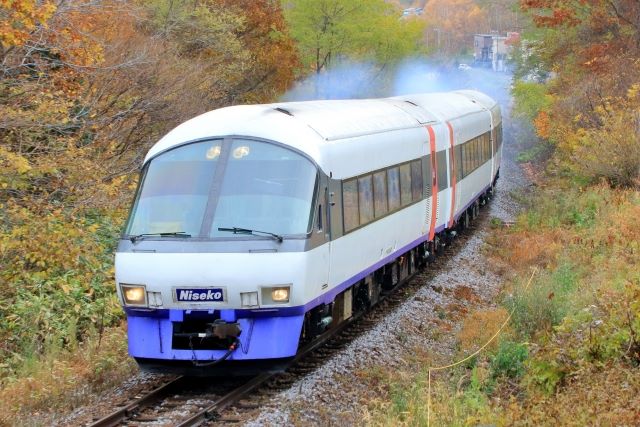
213 261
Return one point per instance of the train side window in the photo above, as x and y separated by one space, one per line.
416 180
350 204
487 146
365 199
472 155
465 159
380 207
393 188
405 184
493 145
458 162
441 157
451 165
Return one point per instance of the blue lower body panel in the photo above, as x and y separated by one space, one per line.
151 337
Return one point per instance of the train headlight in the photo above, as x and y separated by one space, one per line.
134 295
280 294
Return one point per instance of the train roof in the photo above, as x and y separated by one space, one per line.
314 126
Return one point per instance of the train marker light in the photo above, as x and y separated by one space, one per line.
134 295
249 299
280 294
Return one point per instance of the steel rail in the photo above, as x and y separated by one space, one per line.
122 414
212 412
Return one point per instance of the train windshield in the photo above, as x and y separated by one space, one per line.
199 188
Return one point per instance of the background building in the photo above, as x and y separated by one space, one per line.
491 50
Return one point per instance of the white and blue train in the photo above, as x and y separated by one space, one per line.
255 228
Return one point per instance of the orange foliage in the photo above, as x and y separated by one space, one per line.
479 327
273 51
593 46
553 12
455 21
85 89
539 247
541 124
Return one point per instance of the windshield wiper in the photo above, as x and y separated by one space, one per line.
237 230
166 234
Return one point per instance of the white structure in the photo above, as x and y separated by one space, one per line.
491 50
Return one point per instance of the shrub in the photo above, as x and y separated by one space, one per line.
509 360
611 151
545 303
479 327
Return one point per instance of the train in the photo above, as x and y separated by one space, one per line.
257 228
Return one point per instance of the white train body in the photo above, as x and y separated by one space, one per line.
356 193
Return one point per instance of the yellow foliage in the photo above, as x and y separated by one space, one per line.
479 327
51 383
21 17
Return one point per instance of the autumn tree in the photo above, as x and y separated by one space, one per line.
274 56
85 89
327 31
503 15
452 24
592 48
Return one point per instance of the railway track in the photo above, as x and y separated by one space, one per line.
198 402
135 412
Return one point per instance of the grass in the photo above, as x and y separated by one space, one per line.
64 378
571 353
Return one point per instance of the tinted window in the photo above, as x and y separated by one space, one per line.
350 203
393 188
476 152
458 161
487 148
416 180
466 166
380 193
493 142
442 170
405 184
265 187
365 199
175 189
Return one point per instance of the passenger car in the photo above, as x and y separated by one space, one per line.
258 227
